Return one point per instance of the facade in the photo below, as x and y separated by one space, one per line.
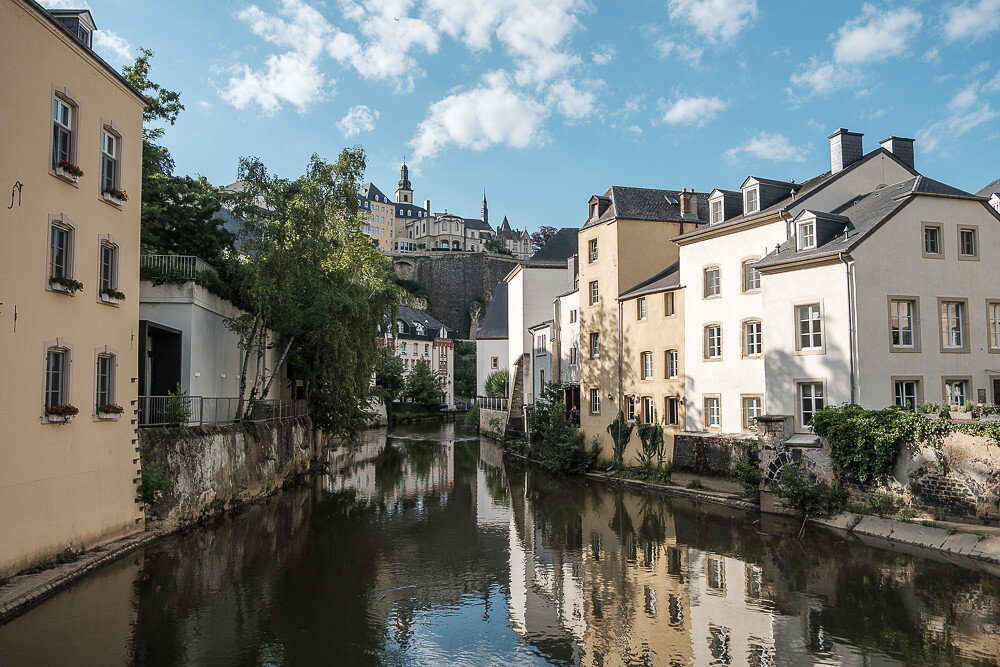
416 336
491 339
541 356
652 321
446 231
625 241
72 138
518 242
566 345
991 193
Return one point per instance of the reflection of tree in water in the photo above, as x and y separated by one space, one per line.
621 521
654 520
496 485
556 504
422 455
388 470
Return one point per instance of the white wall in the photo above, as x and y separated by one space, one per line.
541 361
486 349
530 293
569 336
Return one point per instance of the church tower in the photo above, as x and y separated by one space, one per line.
404 192
484 215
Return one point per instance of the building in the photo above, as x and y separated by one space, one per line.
566 343
542 335
491 339
992 194
518 242
416 337
446 231
625 246
69 288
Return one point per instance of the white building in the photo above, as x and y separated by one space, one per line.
992 194
566 342
491 339
541 355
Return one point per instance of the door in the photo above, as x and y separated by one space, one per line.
996 391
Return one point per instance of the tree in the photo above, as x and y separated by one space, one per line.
311 277
498 246
389 380
541 237
621 432
465 369
422 387
497 383
164 105
180 217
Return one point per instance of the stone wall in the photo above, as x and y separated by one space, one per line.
486 419
459 285
707 453
214 467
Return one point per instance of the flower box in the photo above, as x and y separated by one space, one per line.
111 416
59 418
111 295
958 415
66 285
115 196
110 299
62 172
56 287
108 197
64 412
109 411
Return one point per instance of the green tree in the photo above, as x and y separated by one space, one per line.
389 380
164 105
497 383
621 432
498 246
313 278
180 217
541 237
465 369
422 387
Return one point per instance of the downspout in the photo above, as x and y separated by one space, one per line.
850 318
620 404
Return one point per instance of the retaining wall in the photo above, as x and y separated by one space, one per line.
707 453
486 417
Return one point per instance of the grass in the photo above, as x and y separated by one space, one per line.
61 558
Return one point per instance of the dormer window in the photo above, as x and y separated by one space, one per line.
593 210
751 203
400 327
716 214
806 237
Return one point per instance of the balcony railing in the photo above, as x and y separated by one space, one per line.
200 410
183 266
487 403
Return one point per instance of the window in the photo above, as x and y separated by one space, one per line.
806 237
647 365
712 287
592 250
109 161
56 369
956 392
810 401
993 324
443 359
751 276
400 327
968 247
572 316
404 348
810 327
593 210
630 408
593 292
719 645
640 308
668 304
673 410
671 364
753 339
62 131
713 341
105 375
750 203
753 407
716 215
494 362
595 344
540 344
953 325
595 401
713 411
932 240
647 410
427 349
573 356
716 571
109 266
60 252
905 393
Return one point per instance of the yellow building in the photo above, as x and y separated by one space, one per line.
69 288
652 324
625 241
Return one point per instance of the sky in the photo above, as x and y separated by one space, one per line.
543 103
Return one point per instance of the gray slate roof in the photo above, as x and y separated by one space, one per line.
401 209
411 315
864 214
990 189
495 321
668 278
371 192
478 225
560 248
630 203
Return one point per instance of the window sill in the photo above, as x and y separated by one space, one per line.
57 419
65 176
106 417
904 350
954 350
110 301
810 351
968 258
112 201
54 287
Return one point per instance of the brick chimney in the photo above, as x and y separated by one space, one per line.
901 147
427 206
845 149
689 205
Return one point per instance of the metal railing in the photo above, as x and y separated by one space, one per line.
200 410
487 403
186 266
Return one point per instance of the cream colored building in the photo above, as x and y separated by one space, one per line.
625 241
416 337
66 484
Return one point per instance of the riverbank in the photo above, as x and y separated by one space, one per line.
972 546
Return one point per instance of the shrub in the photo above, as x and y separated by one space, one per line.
807 495
496 383
472 417
621 432
154 483
695 484
651 437
883 503
864 444
177 410
571 454
746 467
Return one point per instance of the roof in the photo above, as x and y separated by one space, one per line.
737 194
477 224
991 189
668 278
540 325
371 192
863 214
411 315
412 208
504 231
558 249
791 185
805 189
495 321
648 204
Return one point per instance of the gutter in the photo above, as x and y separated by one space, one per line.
849 269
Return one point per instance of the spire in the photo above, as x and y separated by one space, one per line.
485 213
404 191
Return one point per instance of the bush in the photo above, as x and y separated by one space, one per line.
177 410
651 437
883 503
621 432
864 444
571 454
154 483
472 417
808 496
563 448
496 384
746 467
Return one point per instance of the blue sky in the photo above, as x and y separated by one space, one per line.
545 103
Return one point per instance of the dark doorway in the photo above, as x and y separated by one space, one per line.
159 359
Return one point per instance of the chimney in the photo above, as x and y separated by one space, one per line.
427 206
901 147
689 205
845 149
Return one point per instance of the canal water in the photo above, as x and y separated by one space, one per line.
423 546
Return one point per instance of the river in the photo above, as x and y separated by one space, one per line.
423 546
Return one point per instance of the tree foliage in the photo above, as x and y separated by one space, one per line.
422 387
465 369
541 237
562 443
497 245
180 217
651 437
497 383
164 105
389 380
621 432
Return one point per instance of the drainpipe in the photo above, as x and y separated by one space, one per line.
788 223
850 317
620 345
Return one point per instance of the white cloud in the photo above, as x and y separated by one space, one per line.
767 146
113 47
65 4
876 35
570 100
719 20
693 110
971 20
933 56
993 85
690 54
966 112
204 104
604 56
495 112
359 119
820 77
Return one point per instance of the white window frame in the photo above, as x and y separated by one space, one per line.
753 340
751 277
63 117
672 364
751 200
805 235
712 277
110 152
647 365
669 304
902 311
672 417
900 394
595 344
953 337
974 236
753 407
937 240
648 410
716 214
630 408
56 379
592 251
109 393
809 327
640 306
713 411
950 385
67 250
816 398
595 401
993 325
713 341
595 293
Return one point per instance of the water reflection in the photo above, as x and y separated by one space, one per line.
422 546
